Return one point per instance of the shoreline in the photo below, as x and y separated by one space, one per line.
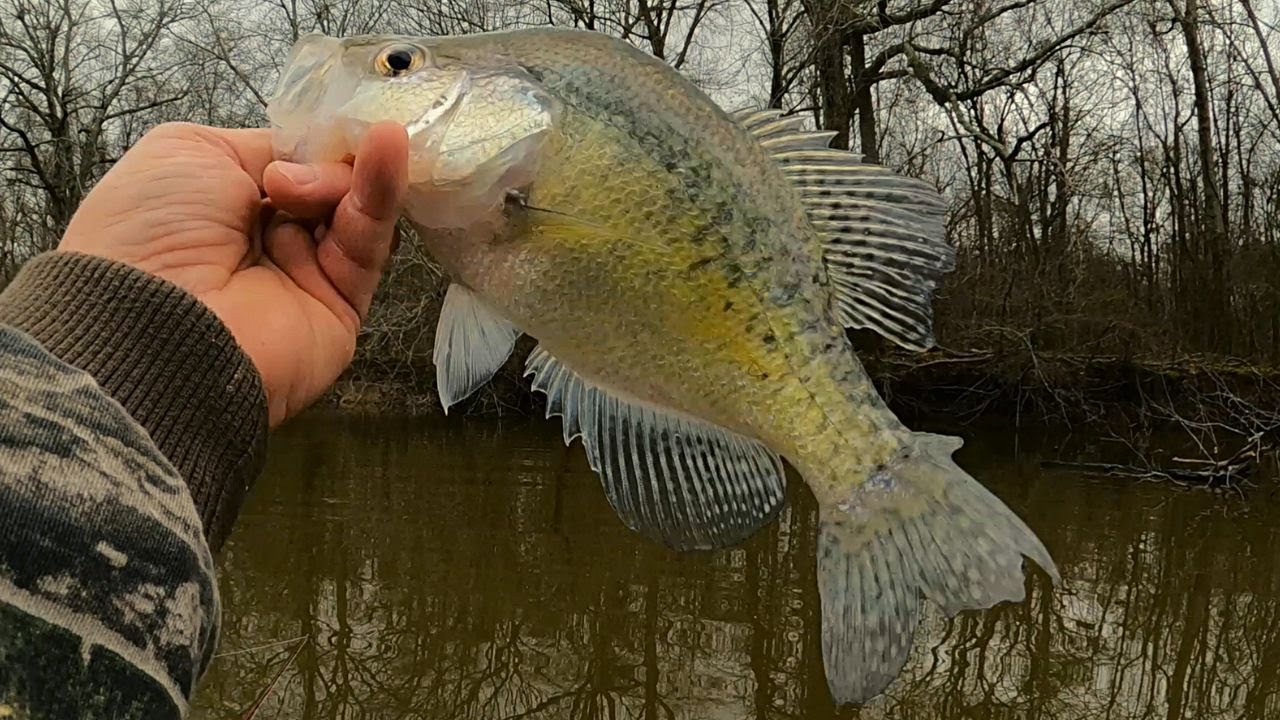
1192 420
1031 386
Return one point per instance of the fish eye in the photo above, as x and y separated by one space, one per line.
397 60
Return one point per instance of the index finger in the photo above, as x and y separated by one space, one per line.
250 147
310 191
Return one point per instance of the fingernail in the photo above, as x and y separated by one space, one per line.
299 174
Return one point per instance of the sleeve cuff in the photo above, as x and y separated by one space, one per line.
165 357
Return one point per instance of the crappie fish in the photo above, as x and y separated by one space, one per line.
689 275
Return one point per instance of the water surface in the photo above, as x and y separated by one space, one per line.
474 570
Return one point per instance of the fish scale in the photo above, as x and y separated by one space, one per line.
689 275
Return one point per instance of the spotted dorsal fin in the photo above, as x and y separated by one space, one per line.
680 481
884 240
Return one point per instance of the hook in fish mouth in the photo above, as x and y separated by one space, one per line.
518 197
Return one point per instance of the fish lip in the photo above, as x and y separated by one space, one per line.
312 120
295 109
296 70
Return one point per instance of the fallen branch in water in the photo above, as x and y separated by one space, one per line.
1215 416
1228 473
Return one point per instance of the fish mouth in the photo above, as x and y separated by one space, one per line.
476 130
304 110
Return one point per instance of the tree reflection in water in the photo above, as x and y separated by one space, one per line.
478 572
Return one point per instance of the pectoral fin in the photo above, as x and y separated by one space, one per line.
675 479
472 343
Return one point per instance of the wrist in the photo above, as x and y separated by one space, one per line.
164 356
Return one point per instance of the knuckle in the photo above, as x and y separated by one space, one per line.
362 261
171 129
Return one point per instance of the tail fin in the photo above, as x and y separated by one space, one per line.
920 526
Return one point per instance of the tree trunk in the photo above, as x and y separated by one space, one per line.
1213 229
862 101
833 81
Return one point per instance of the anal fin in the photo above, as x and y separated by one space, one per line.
675 479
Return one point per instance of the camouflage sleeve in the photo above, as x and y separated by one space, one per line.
108 605
131 428
165 357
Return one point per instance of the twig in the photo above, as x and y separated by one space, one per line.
262 696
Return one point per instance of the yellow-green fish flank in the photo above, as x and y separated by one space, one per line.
690 276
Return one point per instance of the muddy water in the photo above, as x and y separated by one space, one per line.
469 570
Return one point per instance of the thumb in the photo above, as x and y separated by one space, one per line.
357 245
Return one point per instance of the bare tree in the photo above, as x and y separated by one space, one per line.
783 25
73 70
668 29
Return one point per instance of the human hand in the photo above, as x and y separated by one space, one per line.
289 265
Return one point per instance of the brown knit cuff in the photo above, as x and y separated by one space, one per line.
165 357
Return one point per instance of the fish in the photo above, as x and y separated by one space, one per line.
690 275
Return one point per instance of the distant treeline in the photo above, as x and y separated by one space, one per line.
1111 166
